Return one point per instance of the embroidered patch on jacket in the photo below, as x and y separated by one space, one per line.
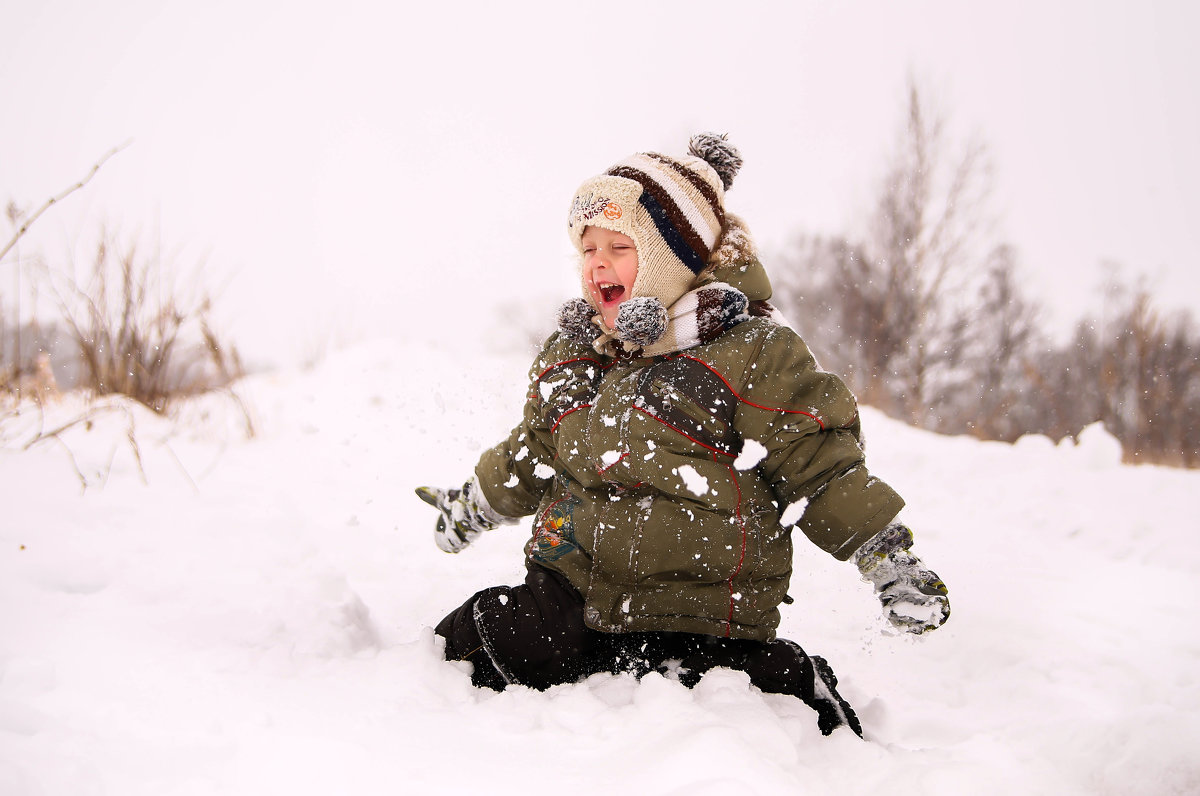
554 535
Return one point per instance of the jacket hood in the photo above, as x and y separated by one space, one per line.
735 262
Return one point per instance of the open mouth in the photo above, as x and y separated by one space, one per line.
611 293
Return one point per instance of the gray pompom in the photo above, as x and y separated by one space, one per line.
718 153
575 321
642 321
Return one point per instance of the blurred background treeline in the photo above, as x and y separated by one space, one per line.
925 315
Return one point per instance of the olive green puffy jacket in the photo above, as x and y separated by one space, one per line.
657 484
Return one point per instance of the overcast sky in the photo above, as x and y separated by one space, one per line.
345 171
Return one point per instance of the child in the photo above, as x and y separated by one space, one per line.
675 430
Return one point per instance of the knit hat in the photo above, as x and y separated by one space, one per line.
672 208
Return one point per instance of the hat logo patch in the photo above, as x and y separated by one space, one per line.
612 211
585 208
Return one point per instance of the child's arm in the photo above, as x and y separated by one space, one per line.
808 421
514 474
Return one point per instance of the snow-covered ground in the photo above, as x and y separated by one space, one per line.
253 617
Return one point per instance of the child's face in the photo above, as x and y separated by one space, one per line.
610 266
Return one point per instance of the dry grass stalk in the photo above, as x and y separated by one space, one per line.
139 338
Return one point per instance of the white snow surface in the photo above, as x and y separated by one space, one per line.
254 616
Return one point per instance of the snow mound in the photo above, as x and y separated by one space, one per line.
1099 449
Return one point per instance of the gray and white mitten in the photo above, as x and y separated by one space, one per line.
913 596
465 514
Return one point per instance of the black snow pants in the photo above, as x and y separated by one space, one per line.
534 635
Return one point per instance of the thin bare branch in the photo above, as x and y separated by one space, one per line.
53 200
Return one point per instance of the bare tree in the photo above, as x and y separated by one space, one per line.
810 285
924 245
1001 347
1150 382
894 305
925 318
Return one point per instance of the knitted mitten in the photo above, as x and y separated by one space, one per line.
465 514
914 597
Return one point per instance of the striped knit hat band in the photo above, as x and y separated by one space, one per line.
686 210
672 208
